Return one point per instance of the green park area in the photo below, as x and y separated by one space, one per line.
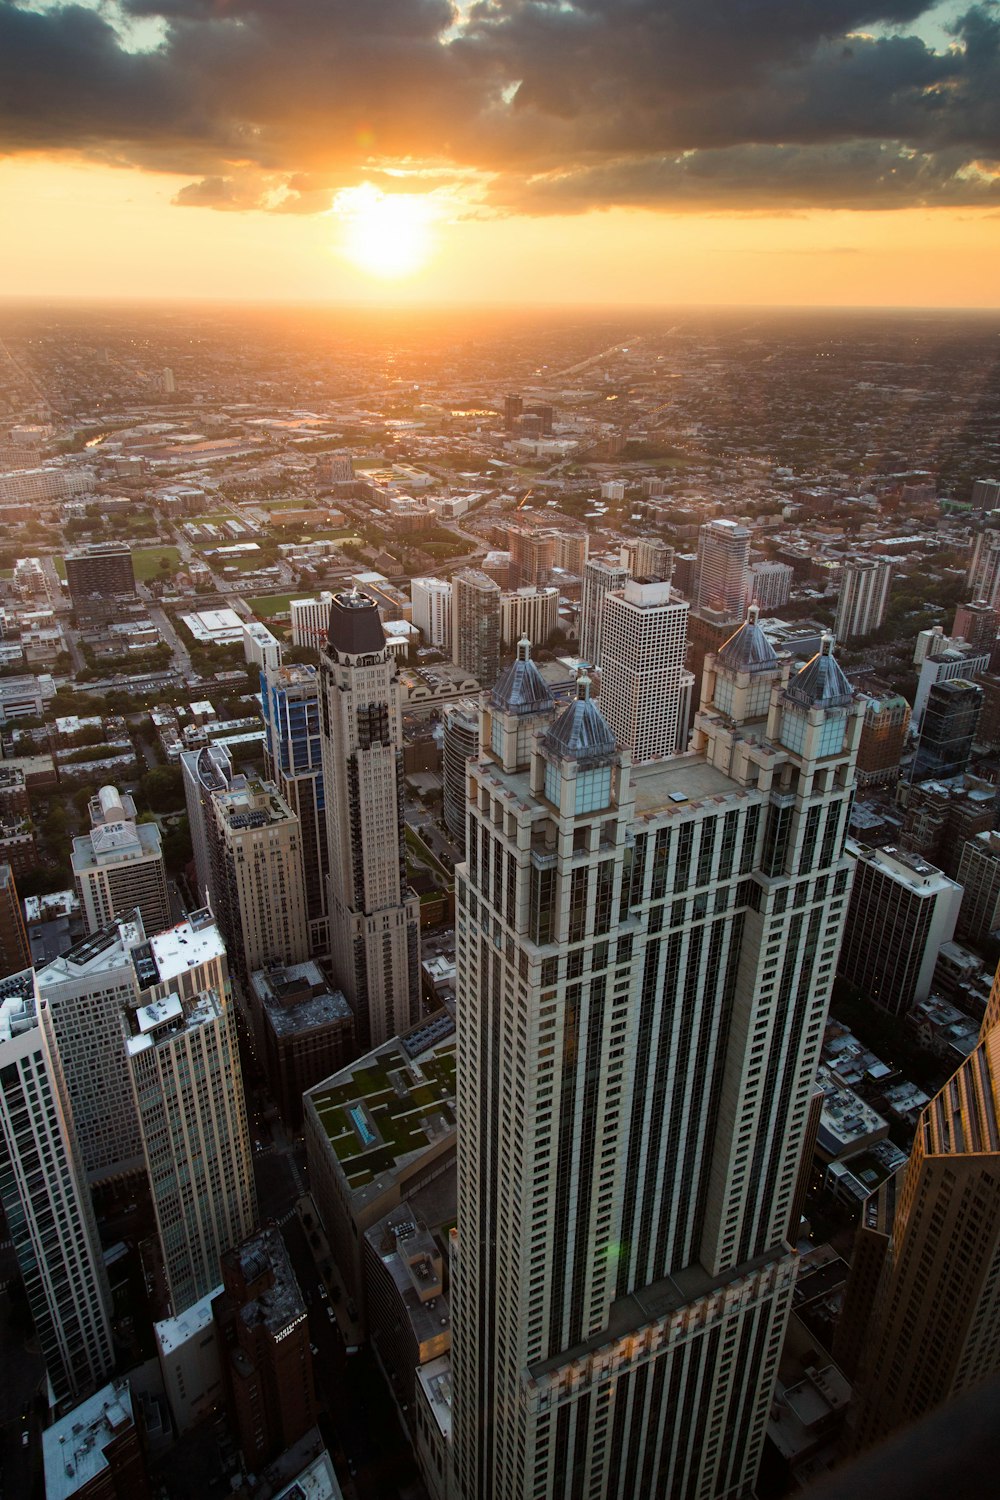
266 606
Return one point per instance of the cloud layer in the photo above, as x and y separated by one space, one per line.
548 107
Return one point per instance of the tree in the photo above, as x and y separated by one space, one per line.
163 788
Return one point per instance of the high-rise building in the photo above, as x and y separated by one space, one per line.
922 1310
205 772
475 625
293 760
770 584
310 619
947 729
47 1205
600 576
185 1072
863 597
513 406
100 576
308 1031
979 877
461 740
532 552
901 910
432 610
528 611
983 577
976 623
943 661
374 916
15 954
985 494
645 956
723 569
118 865
94 1451
645 641
648 557
883 736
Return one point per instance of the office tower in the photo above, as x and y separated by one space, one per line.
945 660
513 406
83 993
47 1205
976 623
600 576
167 379
901 910
723 564
883 736
204 772
293 760
641 999
529 611
15 954
118 865
863 598
432 610
374 916
645 641
983 576
985 494
570 551
475 625
979 877
310 619
925 1321
461 740
185 1072
100 577
260 647
255 844
262 1333
647 557
947 729
770 584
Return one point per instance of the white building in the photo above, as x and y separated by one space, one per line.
46 1202
531 612
260 647
643 680
600 576
723 569
310 619
25 697
863 597
119 865
645 956
945 660
771 584
432 610
188 1351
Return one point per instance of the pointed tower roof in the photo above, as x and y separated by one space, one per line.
581 732
521 688
748 649
821 683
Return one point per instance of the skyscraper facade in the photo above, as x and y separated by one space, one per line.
600 576
947 729
432 610
461 740
15 954
310 619
529 611
205 772
374 916
983 577
293 760
645 956
723 564
119 865
47 1205
475 625
643 681
863 598
99 577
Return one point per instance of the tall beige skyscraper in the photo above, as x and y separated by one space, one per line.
723 569
863 598
645 956
119 865
600 576
475 625
645 691
374 916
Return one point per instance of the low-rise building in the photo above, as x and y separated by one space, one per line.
94 1452
189 1362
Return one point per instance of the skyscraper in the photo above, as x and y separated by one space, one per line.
374 916
294 762
118 865
643 681
528 611
432 610
461 739
645 956
310 619
188 1088
600 576
100 576
947 729
475 625
205 772
723 563
15 954
864 596
47 1205
983 577
648 557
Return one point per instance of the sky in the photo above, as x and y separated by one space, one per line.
650 152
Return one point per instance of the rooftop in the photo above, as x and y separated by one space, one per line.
73 1447
298 998
173 1333
100 953
196 940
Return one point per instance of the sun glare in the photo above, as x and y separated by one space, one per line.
385 234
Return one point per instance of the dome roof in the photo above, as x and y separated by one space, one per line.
521 688
581 732
821 683
749 649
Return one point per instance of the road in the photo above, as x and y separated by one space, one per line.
181 656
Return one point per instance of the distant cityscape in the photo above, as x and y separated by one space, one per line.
499 899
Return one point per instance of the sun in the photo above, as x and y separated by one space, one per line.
385 234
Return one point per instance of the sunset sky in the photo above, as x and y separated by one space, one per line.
614 151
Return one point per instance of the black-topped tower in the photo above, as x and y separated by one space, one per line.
374 916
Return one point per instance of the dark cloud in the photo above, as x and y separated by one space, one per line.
748 103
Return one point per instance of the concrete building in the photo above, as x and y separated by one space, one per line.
942 661
95 1451
25 697
947 729
461 740
188 1353
118 866
374 916
205 772
901 911
406 1304
645 690
883 737
47 1205
100 577
600 577
530 611
188 1088
976 623
310 619
647 557
263 1337
475 625
983 577
308 1032
979 877
260 647
723 570
15 954
432 610
863 597
770 584
638 1036
293 759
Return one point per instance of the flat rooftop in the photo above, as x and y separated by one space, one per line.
73 1447
173 1333
100 953
196 940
